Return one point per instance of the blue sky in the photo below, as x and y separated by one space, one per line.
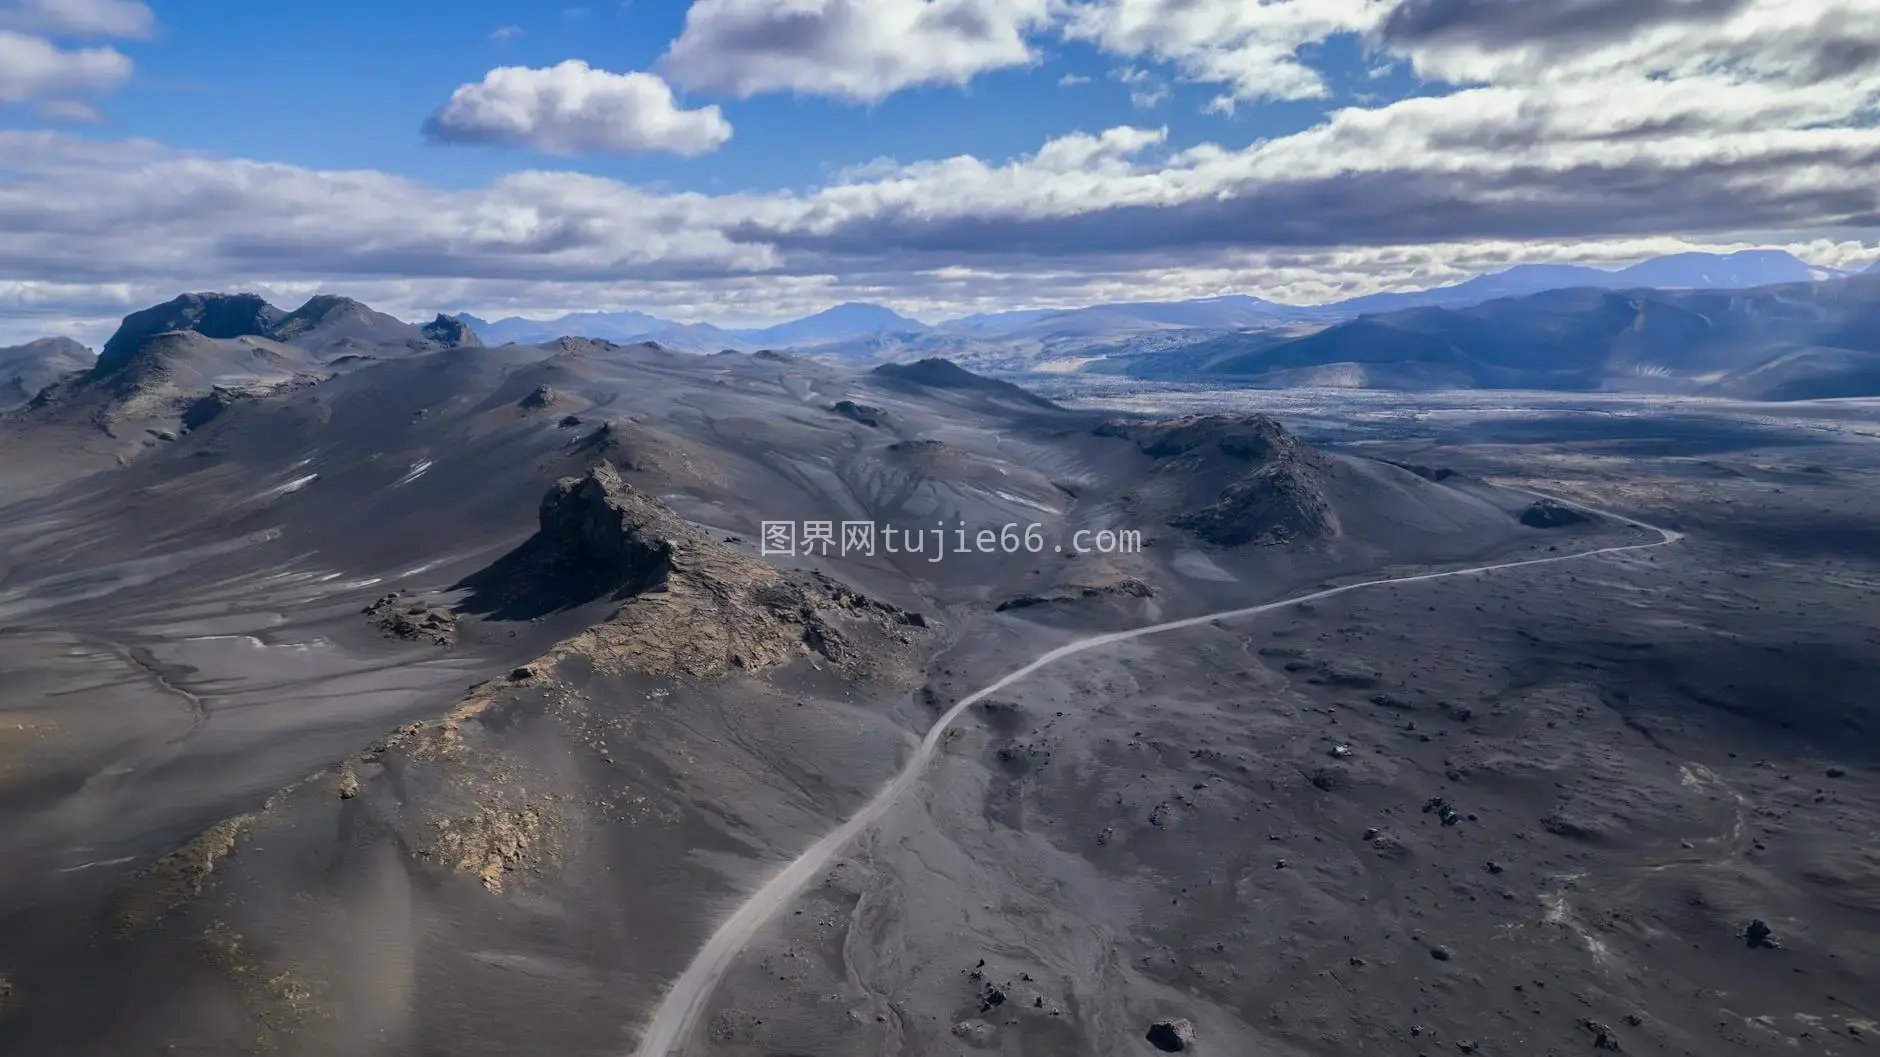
745 160
347 83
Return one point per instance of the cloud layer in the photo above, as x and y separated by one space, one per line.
1586 130
861 50
573 108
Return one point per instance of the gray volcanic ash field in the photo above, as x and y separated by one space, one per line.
371 691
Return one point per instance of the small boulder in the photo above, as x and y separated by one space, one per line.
1172 1036
1759 934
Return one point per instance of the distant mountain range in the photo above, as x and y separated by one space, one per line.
1374 340
845 322
1789 342
874 330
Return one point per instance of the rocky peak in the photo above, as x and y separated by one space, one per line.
1249 437
452 332
603 521
691 605
211 315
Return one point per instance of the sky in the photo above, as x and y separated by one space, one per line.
743 161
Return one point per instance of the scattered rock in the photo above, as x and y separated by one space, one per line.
1172 1036
348 783
993 998
1439 953
1837 772
1604 1038
399 617
569 421
973 1032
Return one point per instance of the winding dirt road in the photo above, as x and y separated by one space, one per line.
679 1010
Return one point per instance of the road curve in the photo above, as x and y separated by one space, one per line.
685 1001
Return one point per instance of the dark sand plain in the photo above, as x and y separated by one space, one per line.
242 817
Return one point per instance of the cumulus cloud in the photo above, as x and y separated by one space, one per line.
862 50
1252 49
573 108
33 68
1507 23
79 18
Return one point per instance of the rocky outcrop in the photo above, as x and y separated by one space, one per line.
1249 438
400 616
1172 1036
1281 503
451 332
1123 587
542 396
1274 491
866 415
691 606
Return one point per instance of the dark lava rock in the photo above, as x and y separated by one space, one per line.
1604 1038
1837 772
1123 587
1759 934
524 672
1441 954
1171 1036
570 422
452 333
1551 513
866 415
399 617
993 999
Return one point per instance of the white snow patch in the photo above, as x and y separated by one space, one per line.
289 488
1022 501
417 471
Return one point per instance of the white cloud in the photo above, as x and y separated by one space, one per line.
573 108
79 18
1146 90
69 111
862 50
32 68
506 33
1072 79
1251 48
